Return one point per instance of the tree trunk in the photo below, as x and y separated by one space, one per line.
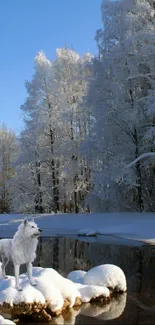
38 199
136 142
138 172
55 180
76 206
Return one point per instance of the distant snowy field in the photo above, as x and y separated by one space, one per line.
133 226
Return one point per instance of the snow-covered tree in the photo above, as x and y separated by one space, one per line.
122 85
52 174
8 152
71 72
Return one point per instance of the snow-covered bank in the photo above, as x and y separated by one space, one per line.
134 226
54 293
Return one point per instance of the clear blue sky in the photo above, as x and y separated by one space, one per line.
27 26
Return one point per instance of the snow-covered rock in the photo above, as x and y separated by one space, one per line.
51 288
64 287
53 292
10 295
70 290
106 275
4 321
87 232
76 276
89 292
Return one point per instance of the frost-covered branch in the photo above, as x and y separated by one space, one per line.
140 75
144 155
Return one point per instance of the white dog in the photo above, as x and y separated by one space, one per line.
21 250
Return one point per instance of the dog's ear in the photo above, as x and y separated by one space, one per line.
25 221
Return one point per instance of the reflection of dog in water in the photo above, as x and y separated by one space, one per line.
21 249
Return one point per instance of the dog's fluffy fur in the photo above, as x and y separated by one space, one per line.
21 249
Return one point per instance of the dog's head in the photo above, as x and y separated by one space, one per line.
31 229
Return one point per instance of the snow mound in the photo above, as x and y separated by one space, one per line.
76 276
106 275
4 321
10 295
89 292
87 232
63 287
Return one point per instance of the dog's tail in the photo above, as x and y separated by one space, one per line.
5 247
1 249
1 245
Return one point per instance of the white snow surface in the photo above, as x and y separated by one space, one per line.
76 276
51 287
63 287
4 321
128 225
87 292
106 275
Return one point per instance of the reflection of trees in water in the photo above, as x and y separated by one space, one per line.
68 254
64 254
56 253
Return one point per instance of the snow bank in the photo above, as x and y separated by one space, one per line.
127 225
4 321
76 276
106 275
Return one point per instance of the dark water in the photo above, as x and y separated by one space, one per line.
137 261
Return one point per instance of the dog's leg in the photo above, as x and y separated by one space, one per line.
4 264
16 269
29 273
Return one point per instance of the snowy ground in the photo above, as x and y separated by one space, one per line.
133 226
